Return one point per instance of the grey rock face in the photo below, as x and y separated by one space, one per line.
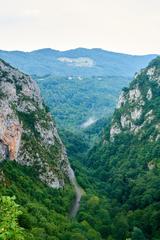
28 134
136 109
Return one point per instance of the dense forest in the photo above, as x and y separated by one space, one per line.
119 174
73 100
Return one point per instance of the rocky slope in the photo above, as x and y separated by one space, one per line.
28 134
129 146
138 106
125 165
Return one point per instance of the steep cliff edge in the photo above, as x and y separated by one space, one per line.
136 120
138 106
125 165
28 134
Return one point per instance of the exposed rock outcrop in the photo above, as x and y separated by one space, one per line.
28 134
136 109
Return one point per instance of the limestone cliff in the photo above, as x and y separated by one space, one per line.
138 106
28 134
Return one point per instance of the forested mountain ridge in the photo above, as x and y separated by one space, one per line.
126 163
77 62
80 85
27 131
34 169
75 102
120 175
138 106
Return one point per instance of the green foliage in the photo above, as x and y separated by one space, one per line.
122 191
137 234
72 101
45 211
28 120
43 208
9 213
121 172
155 62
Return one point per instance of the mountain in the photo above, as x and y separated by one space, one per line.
120 174
28 134
137 109
76 101
76 62
81 85
34 169
125 165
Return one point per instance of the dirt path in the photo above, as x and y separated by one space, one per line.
79 193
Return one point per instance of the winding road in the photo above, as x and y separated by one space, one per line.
79 193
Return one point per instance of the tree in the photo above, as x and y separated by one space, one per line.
9 212
137 234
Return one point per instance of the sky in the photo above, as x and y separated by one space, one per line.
128 26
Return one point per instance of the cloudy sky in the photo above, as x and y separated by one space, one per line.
129 26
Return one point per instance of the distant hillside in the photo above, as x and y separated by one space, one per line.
78 84
127 160
77 62
77 102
